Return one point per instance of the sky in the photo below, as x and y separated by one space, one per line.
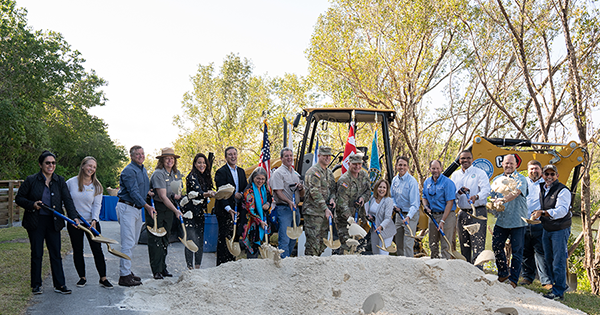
148 50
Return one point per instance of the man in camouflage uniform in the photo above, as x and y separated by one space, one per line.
353 189
320 190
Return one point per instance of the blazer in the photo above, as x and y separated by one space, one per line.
223 177
32 191
384 216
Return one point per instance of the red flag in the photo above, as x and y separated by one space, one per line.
349 149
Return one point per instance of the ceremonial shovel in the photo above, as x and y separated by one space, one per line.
158 232
452 252
234 247
473 207
110 249
330 242
391 249
266 250
408 226
79 226
295 231
187 243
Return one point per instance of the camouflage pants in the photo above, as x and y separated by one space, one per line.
316 228
341 222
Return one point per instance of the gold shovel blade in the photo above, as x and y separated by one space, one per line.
294 232
157 232
189 245
117 253
234 247
105 240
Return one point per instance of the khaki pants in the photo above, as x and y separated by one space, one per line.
435 237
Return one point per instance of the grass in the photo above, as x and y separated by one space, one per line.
584 301
15 291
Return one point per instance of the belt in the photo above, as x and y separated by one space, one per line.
282 204
129 203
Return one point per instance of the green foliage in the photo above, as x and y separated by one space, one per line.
228 108
45 93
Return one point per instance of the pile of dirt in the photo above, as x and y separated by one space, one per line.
337 285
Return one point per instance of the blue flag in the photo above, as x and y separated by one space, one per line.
375 154
315 158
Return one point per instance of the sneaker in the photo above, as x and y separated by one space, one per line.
555 297
136 278
106 284
37 290
62 290
81 282
166 273
128 281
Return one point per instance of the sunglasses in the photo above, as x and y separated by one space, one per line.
50 162
549 174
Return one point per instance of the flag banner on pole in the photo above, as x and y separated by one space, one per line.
290 138
265 153
315 158
349 149
375 167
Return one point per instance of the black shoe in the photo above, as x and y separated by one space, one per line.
106 284
136 278
555 297
158 276
128 281
62 290
37 289
81 282
166 273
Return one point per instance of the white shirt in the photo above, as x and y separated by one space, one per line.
533 199
86 202
563 202
478 183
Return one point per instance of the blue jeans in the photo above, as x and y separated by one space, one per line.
555 250
517 236
284 218
533 255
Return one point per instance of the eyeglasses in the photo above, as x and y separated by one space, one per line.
434 186
549 174
50 162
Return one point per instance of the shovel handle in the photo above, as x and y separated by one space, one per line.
402 217
435 222
89 226
330 221
58 214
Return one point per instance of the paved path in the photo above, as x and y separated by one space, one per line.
94 299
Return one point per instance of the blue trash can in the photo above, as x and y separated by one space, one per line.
211 233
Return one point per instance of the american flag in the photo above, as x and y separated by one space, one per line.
265 153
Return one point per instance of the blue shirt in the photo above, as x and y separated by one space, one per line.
516 209
405 192
134 184
533 197
439 193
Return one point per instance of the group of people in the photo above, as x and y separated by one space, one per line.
391 208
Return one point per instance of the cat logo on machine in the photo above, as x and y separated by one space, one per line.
500 158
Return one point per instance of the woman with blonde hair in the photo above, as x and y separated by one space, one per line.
86 192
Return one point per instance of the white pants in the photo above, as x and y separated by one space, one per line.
376 241
130 220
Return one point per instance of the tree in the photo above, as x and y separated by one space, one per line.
228 109
45 93
388 54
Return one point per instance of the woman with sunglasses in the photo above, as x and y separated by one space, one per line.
45 188
86 192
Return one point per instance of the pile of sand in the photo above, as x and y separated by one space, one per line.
337 285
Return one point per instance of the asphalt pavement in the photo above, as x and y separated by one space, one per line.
95 299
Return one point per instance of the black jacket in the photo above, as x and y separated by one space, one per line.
222 177
32 190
